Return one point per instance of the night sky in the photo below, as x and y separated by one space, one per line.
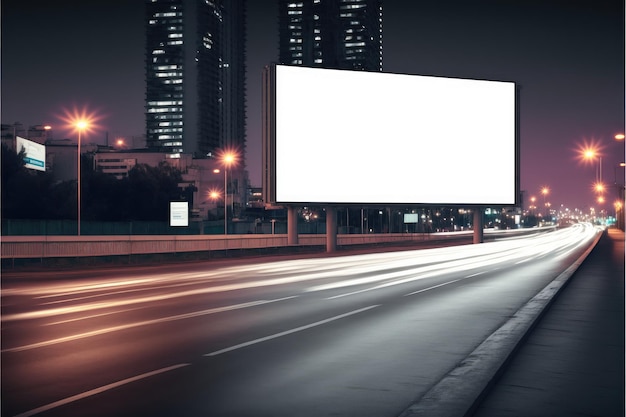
566 56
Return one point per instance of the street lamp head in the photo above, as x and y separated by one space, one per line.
545 191
619 136
80 121
589 154
599 187
589 151
228 157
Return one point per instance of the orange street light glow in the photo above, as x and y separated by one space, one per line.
545 191
228 157
599 187
588 151
81 120
214 194
619 136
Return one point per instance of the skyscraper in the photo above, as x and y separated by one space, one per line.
195 75
342 34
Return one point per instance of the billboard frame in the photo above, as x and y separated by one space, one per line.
269 148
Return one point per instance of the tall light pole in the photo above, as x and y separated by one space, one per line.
80 126
228 158
545 191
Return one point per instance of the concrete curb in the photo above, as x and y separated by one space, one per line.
461 390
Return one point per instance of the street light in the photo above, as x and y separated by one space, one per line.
80 125
589 152
229 158
79 121
545 191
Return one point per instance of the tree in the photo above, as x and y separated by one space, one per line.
144 195
151 189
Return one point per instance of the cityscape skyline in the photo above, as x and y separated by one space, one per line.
567 59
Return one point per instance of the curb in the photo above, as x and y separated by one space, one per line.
461 390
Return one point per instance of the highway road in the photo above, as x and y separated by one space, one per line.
355 335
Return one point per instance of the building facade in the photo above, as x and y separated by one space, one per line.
340 34
195 76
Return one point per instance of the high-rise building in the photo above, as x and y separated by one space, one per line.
195 75
341 34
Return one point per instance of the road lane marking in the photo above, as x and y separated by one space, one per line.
99 390
93 316
433 287
288 332
141 323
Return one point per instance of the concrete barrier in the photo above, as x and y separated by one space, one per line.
36 247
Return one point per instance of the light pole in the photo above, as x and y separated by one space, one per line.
80 126
545 191
228 158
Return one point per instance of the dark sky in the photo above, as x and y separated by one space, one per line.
567 57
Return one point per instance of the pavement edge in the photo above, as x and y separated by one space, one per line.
460 391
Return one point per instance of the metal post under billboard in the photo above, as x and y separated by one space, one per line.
331 229
292 225
478 225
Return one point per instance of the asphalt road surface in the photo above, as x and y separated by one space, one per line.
356 335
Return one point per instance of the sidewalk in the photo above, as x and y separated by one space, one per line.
572 362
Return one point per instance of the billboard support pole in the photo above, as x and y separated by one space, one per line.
292 226
478 225
331 229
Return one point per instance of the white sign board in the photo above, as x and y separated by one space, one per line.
179 213
377 138
410 218
34 153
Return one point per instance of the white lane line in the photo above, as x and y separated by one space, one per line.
287 332
432 288
99 390
141 323
93 316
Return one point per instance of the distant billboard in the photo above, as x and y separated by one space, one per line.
410 218
34 153
179 213
357 137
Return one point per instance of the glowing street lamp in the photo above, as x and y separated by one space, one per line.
545 191
599 187
619 136
589 152
214 195
80 121
229 158
80 125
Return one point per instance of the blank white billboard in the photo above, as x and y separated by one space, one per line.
179 213
376 138
34 153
